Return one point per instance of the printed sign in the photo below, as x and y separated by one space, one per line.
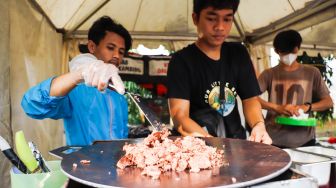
131 66
158 67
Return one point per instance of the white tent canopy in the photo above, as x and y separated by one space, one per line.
256 21
39 37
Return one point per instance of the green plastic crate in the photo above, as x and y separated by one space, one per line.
53 179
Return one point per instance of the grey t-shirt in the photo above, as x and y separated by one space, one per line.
295 87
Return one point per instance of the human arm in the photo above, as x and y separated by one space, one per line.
179 90
248 90
38 104
63 84
179 112
323 104
265 82
287 109
87 68
320 91
253 116
93 72
49 99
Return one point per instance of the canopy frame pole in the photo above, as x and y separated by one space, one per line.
294 20
70 32
239 28
39 9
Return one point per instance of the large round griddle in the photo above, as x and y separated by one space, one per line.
249 163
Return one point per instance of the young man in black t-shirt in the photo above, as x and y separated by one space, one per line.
195 74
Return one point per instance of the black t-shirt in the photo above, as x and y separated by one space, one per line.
192 75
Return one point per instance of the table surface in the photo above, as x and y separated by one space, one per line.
249 163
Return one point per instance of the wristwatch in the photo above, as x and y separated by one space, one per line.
310 106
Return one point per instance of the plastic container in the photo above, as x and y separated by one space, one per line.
53 179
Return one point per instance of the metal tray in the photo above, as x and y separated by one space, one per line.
249 163
318 162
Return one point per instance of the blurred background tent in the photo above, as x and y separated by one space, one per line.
39 37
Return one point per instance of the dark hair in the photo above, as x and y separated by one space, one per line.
99 28
286 41
199 5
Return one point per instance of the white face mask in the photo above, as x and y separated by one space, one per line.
288 59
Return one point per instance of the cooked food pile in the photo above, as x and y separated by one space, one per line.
157 154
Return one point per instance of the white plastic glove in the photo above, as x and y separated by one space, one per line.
96 73
80 61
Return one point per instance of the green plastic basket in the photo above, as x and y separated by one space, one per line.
53 179
295 122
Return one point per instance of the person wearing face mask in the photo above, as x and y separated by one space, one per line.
291 86
89 110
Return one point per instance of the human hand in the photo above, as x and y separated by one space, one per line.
304 108
194 134
96 73
259 134
287 109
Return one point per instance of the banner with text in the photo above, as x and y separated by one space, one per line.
132 66
158 67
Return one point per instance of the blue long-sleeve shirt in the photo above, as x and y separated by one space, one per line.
88 114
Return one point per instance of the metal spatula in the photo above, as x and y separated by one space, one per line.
151 117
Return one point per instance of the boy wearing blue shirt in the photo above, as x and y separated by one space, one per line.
76 97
